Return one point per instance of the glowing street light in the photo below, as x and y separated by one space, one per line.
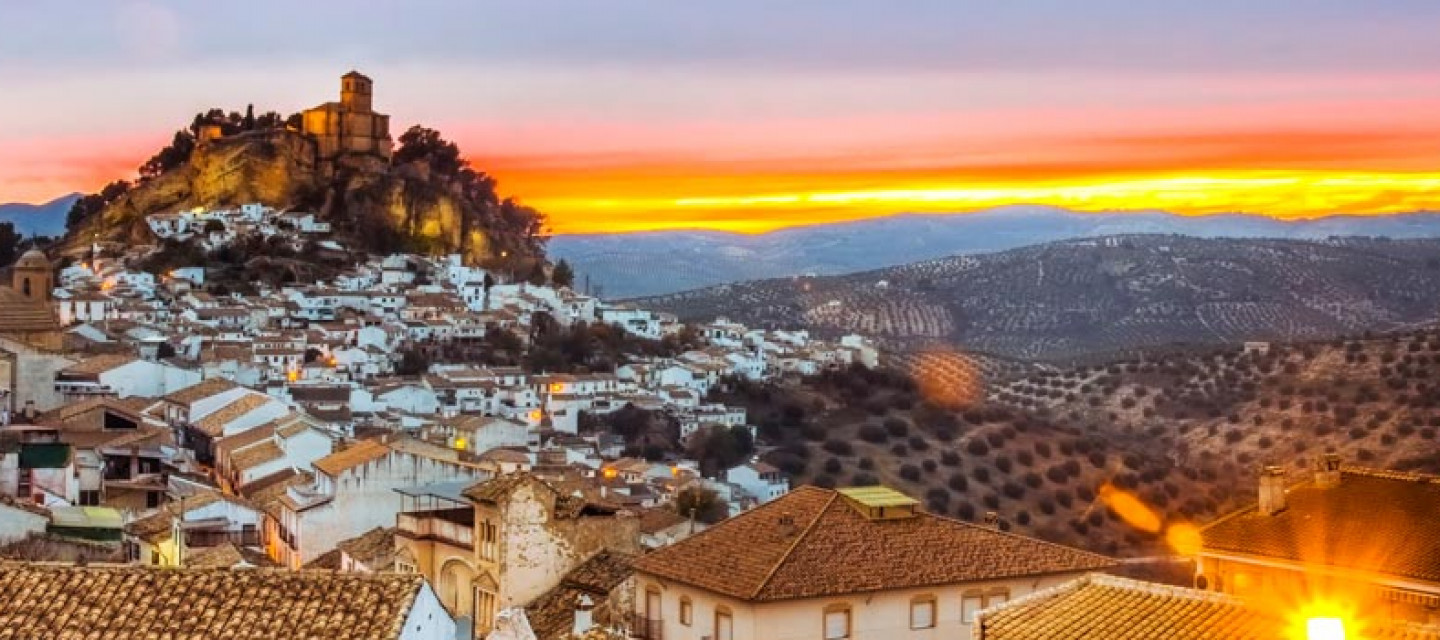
1325 629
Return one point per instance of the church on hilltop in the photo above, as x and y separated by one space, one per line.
350 126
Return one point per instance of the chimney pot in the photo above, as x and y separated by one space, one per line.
1327 472
992 519
1272 490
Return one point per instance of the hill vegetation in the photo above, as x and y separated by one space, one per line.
1181 432
427 199
1075 299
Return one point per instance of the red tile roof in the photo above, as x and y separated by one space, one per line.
805 544
1376 521
1100 606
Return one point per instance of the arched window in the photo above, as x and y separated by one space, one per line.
25 286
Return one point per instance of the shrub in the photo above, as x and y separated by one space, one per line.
863 480
981 475
991 501
949 458
1056 475
918 444
958 483
873 433
897 427
1013 490
824 481
867 464
929 466
839 447
1003 465
910 472
833 465
977 447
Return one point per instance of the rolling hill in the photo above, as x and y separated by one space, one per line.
1078 298
654 263
1112 455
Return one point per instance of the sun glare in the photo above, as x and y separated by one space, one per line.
1324 629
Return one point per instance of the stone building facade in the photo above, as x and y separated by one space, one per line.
350 126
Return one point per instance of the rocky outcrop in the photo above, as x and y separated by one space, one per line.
373 205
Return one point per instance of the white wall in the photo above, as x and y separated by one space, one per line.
427 620
877 616
19 523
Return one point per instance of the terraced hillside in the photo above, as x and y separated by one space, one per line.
1116 457
1077 298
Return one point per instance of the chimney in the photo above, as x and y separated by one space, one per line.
1327 472
584 615
992 519
1272 490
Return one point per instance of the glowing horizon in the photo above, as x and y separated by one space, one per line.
754 117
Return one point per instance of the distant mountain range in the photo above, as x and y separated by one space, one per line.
654 263
46 219
1082 297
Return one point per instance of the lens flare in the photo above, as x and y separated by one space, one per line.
1130 508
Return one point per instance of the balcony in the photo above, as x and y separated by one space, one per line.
451 526
642 628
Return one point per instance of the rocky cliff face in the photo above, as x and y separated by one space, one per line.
375 206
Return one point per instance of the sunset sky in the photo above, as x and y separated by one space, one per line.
617 115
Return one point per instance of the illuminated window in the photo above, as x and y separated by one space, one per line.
687 611
970 603
922 612
837 622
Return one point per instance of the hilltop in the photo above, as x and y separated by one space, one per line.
1078 298
335 160
661 262
1184 433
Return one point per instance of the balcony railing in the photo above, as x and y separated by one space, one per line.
440 525
643 628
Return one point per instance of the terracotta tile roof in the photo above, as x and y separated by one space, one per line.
659 519
802 545
214 423
266 492
552 615
144 603
1392 511
374 548
256 455
208 387
98 364
1102 606
248 437
357 454
157 526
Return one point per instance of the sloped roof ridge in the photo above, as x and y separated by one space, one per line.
785 557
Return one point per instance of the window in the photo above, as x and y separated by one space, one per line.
687 611
971 602
404 567
724 624
837 622
89 498
922 612
996 597
489 533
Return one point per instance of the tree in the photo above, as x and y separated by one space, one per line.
412 362
9 243
249 123
701 504
563 275
420 143
718 448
